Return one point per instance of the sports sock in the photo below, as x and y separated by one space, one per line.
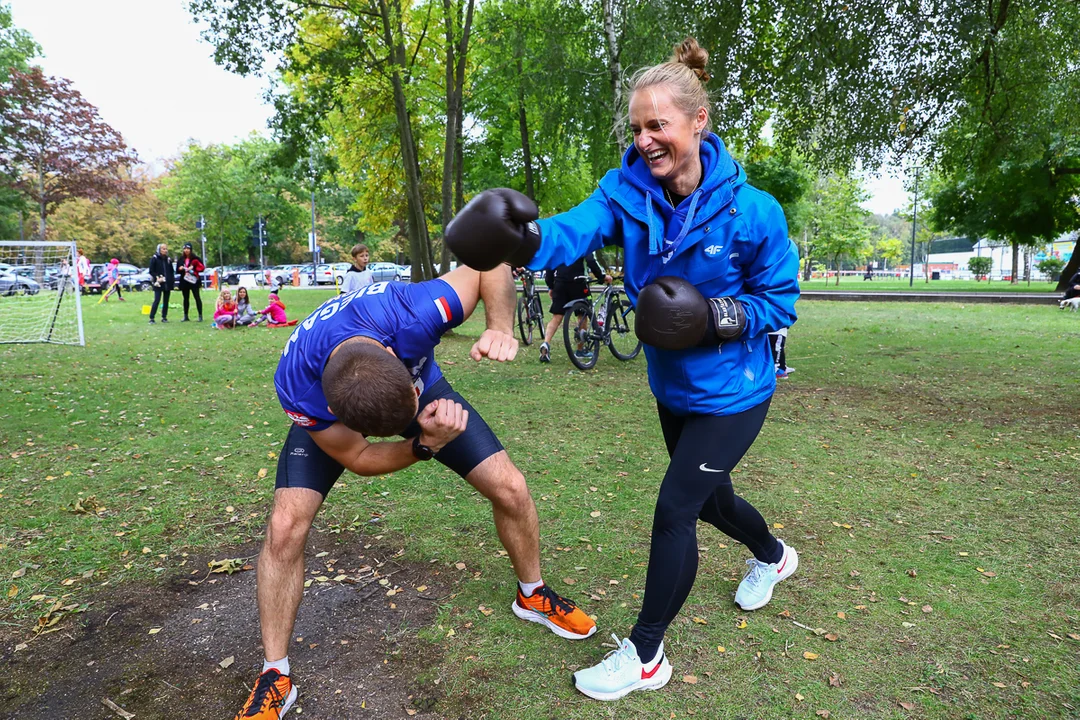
528 589
282 665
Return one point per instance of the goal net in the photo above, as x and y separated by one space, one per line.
39 293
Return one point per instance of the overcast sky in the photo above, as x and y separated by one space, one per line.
142 63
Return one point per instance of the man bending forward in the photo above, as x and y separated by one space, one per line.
362 365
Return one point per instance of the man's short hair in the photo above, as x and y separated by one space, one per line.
369 390
359 248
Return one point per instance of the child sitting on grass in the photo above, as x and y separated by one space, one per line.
225 311
245 315
275 311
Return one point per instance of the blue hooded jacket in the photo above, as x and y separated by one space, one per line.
727 238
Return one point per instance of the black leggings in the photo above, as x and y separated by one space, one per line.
703 449
188 289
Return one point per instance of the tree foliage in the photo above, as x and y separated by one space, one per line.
230 186
127 227
54 146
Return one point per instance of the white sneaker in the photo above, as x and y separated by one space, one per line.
621 672
756 587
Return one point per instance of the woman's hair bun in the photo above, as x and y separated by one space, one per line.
695 57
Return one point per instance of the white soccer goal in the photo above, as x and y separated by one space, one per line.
39 293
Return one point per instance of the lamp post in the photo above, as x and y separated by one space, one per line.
914 219
314 244
201 227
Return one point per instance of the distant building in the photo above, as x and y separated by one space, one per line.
1000 252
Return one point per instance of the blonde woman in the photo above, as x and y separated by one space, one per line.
711 271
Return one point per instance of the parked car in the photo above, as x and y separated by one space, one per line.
386 271
324 275
15 284
339 271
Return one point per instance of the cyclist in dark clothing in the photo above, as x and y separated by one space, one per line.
567 283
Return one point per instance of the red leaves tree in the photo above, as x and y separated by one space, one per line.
54 146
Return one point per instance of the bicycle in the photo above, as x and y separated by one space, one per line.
609 321
530 312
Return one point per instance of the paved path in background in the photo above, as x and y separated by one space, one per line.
1017 298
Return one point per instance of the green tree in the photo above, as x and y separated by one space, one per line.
230 186
128 227
836 220
890 250
1051 266
980 266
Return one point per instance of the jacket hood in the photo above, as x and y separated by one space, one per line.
720 176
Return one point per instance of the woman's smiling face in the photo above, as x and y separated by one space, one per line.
666 138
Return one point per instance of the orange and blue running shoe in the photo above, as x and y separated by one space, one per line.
272 697
561 616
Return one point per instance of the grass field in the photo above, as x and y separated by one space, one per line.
923 464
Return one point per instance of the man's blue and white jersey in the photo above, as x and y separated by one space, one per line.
408 318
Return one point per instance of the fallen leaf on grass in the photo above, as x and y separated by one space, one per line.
701 621
927 609
999 685
13 591
486 611
1074 636
229 565
907 705
154 631
569 581
832 637
262 472
721 649
594 513
842 616
835 681
460 565
810 656
689 679
799 697
18 573
823 713
87 506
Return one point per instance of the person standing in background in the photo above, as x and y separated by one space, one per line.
82 267
358 275
161 272
188 268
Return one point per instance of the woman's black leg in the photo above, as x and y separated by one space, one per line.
706 448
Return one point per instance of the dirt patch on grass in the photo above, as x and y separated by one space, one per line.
926 400
359 648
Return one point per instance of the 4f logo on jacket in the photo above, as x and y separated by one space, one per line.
713 250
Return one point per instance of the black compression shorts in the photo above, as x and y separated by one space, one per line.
566 292
303 463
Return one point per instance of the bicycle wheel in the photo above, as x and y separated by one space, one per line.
584 359
537 315
524 325
621 338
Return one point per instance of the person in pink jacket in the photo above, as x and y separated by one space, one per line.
225 311
275 311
